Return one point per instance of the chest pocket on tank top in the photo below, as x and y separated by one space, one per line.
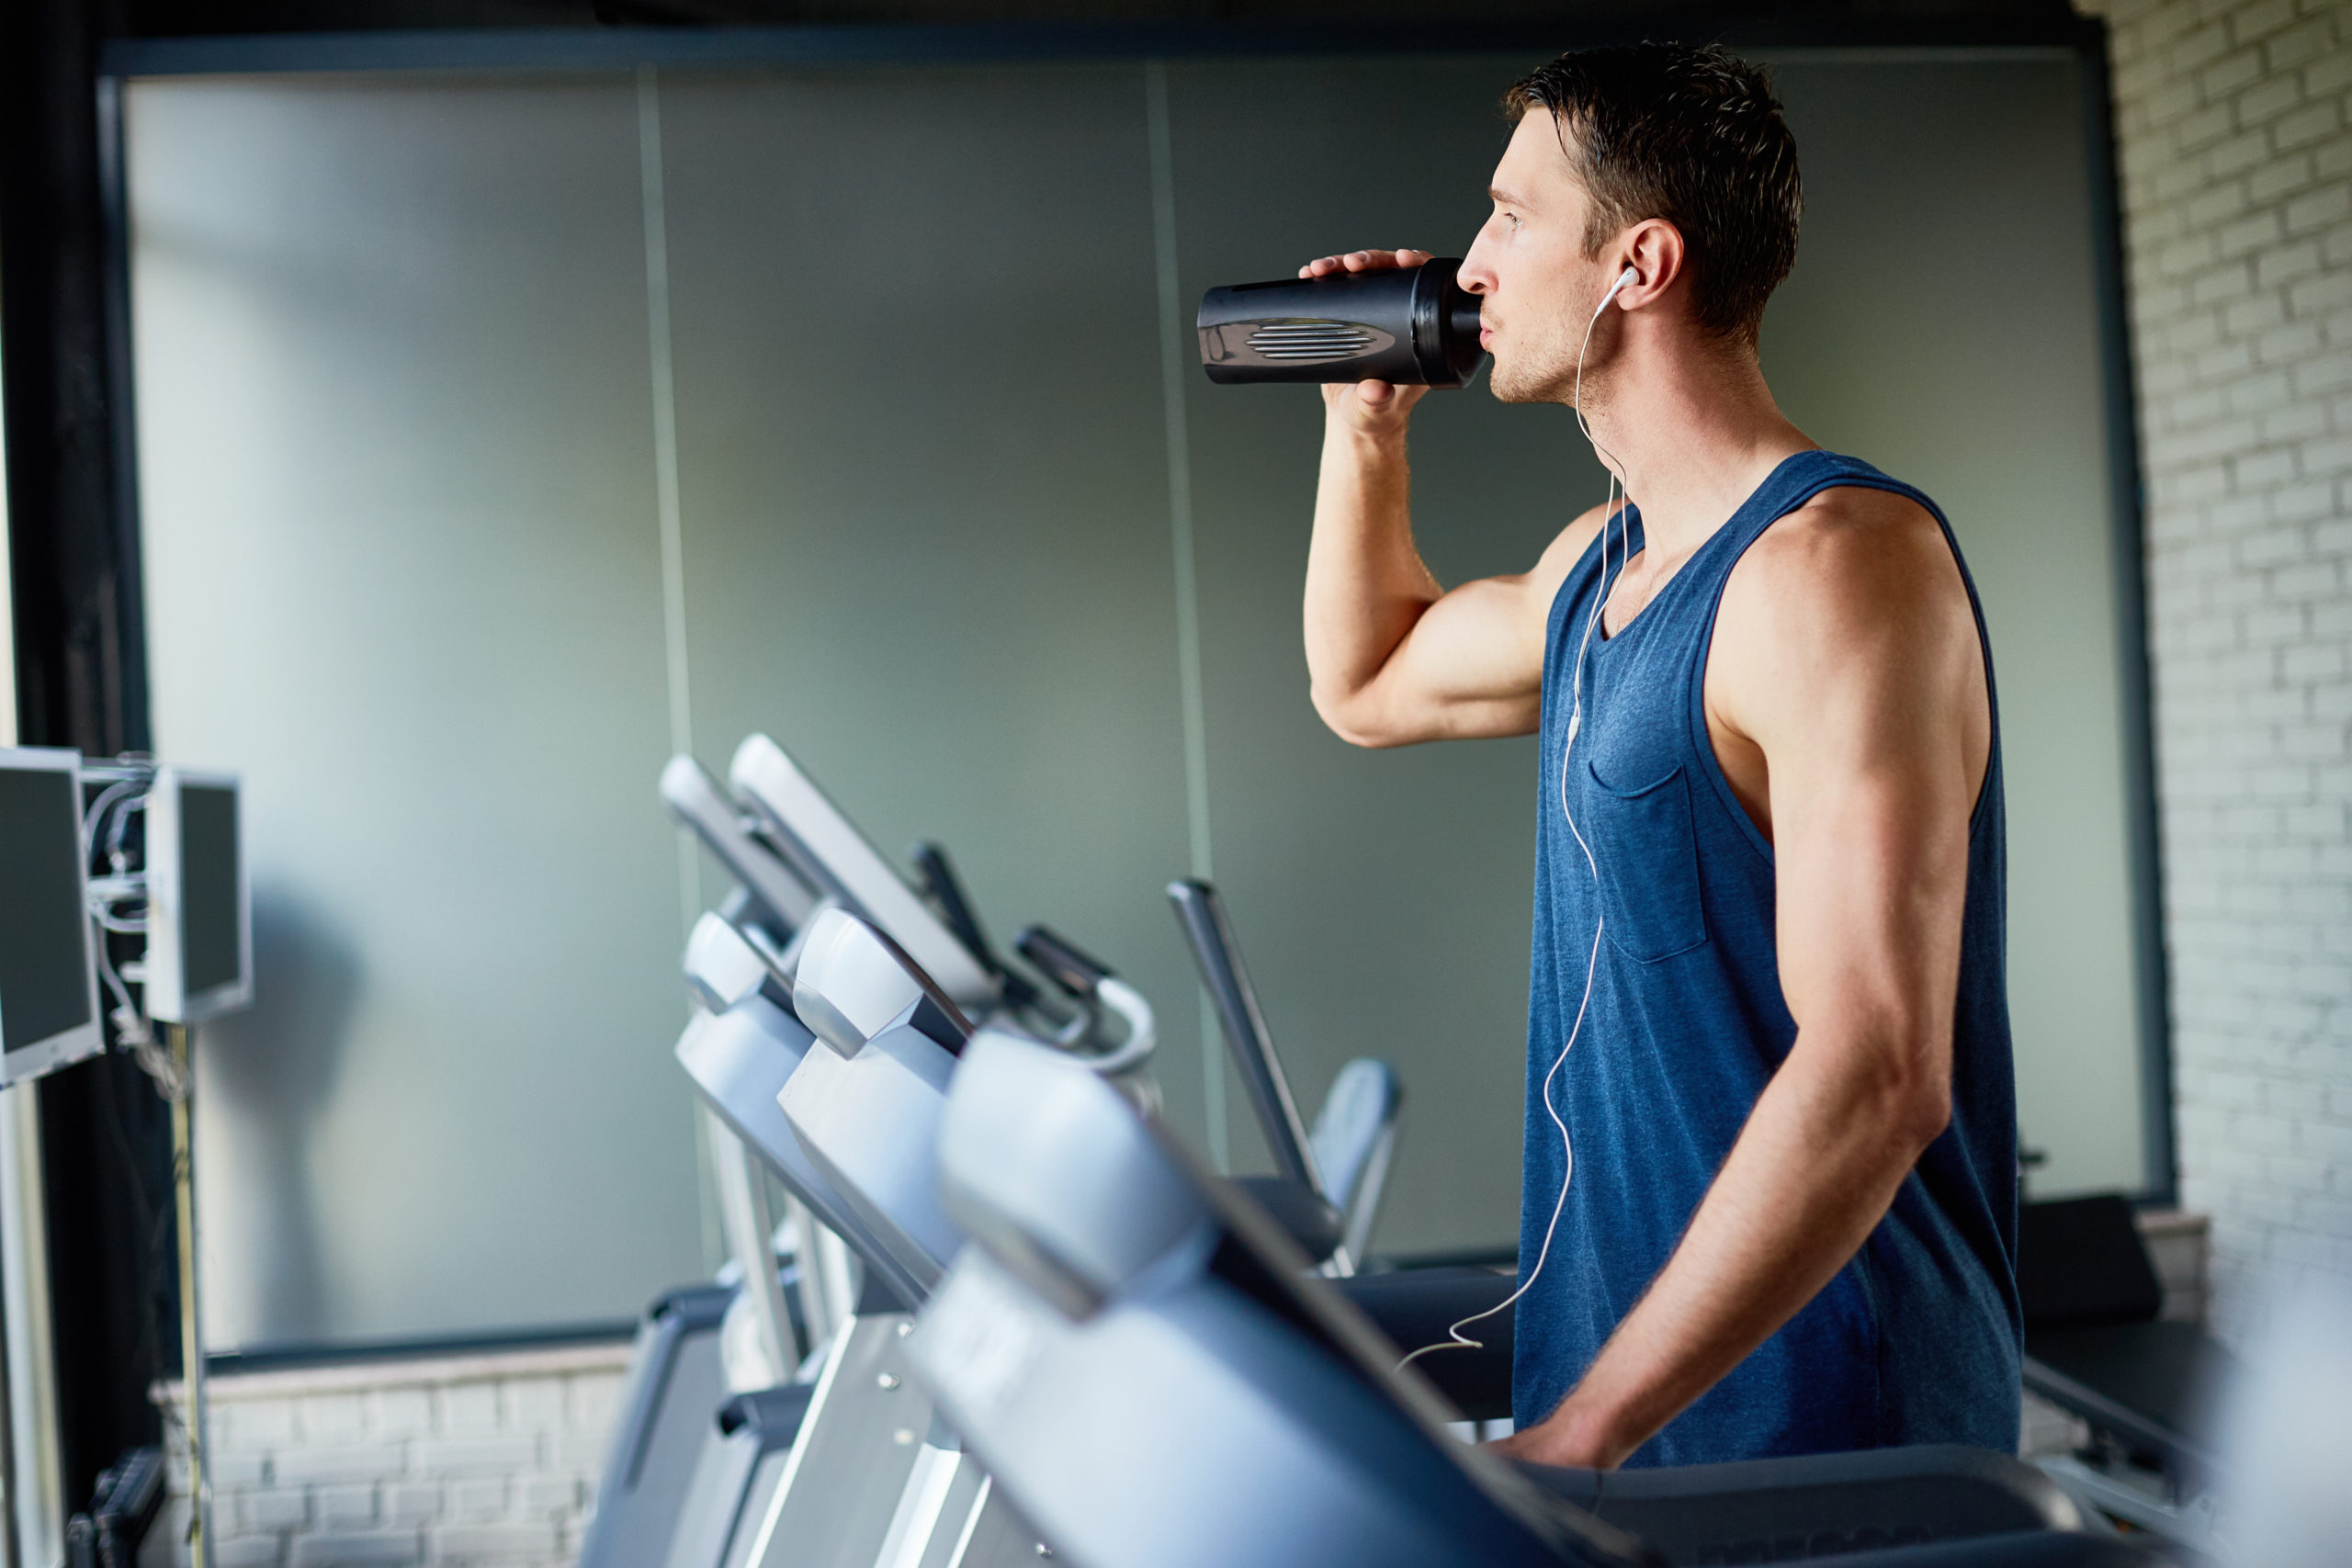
1647 855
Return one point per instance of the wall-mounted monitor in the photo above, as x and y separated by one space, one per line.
48 982
200 909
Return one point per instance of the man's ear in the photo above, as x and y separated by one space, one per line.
1652 248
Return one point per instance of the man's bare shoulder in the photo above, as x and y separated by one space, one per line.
1849 612
1850 563
1845 646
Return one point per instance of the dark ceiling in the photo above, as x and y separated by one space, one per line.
167 19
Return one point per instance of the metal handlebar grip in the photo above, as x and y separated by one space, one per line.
1218 956
1062 961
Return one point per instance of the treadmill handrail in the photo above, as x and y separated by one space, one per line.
697 799
939 878
1218 956
823 845
2101 1409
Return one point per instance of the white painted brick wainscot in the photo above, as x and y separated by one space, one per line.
449 1461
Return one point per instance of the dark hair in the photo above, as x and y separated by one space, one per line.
1693 135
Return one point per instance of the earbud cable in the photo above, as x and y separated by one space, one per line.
1610 510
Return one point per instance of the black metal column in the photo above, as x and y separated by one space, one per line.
81 681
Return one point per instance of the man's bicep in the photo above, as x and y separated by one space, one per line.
1469 668
1473 665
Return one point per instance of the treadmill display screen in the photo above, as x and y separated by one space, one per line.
212 946
44 930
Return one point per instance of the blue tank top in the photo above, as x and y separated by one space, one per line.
1916 1339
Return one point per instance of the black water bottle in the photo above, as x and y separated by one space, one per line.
1410 325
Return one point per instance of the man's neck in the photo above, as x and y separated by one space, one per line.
1696 431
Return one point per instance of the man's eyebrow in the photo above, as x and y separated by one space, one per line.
1507 198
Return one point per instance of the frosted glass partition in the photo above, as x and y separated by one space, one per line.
925 480
497 431
399 495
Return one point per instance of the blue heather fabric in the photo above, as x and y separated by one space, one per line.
1916 1339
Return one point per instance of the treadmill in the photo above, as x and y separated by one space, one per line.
665 1447
858 1471
677 1377
834 1076
1074 1196
1148 1366
842 1465
2098 1346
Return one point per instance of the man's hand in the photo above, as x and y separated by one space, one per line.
1371 407
1560 1444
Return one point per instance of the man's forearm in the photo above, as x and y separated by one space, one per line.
1366 584
1814 1170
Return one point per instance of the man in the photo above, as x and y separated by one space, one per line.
1769 1200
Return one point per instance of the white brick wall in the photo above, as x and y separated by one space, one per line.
2232 119
446 1462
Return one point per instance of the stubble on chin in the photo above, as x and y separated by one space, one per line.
1520 382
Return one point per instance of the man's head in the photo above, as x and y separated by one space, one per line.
1672 159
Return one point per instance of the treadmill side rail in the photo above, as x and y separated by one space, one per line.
1834 1503
697 800
675 1386
834 1504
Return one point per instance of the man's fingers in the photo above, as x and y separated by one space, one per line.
1366 394
1362 261
1372 405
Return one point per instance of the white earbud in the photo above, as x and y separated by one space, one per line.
1624 279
